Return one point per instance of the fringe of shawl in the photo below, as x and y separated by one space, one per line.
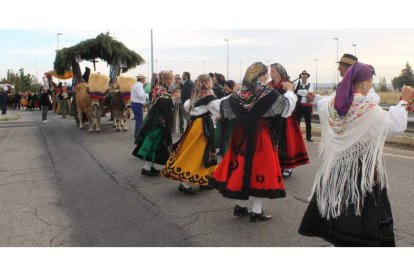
347 176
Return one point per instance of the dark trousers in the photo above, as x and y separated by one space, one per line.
305 111
178 108
137 108
45 109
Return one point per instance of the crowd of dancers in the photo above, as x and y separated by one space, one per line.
244 140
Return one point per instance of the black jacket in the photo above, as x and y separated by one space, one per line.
44 99
186 90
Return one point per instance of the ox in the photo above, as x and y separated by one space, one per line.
120 107
89 106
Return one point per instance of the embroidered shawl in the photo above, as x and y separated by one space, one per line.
352 155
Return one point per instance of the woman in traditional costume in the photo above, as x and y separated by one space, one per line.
251 165
154 137
292 148
224 127
193 158
349 204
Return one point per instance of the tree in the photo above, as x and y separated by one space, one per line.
383 85
22 82
405 78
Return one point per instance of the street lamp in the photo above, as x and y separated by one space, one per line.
57 39
227 40
355 48
337 57
316 75
36 68
241 81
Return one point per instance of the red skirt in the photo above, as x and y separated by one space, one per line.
238 178
292 148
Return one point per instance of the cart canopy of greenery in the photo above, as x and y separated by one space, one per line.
102 47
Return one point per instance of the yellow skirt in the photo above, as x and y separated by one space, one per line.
186 161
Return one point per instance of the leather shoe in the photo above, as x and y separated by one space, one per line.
187 191
148 172
309 140
259 217
240 211
154 170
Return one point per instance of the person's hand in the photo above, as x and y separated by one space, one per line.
288 86
407 93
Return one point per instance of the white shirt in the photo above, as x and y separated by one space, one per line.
397 116
303 92
138 93
213 107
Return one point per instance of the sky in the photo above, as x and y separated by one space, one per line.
196 50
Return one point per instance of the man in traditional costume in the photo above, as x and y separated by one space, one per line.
292 149
349 204
304 91
193 158
154 137
250 168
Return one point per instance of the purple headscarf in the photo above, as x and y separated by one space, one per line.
344 93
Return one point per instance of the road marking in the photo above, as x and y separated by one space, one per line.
400 156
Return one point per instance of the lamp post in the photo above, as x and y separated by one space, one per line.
354 48
227 40
337 58
57 39
241 81
316 75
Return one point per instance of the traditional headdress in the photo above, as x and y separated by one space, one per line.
344 93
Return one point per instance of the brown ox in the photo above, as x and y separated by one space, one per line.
92 108
120 107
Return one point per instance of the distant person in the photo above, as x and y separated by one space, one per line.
45 103
175 89
218 84
17 99
186 91
346 61
64 102
304 91
138 100
3 100
349 204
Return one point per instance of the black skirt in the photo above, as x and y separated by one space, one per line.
374 227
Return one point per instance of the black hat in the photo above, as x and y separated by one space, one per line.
348 59
304 73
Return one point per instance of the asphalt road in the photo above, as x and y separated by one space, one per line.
61 186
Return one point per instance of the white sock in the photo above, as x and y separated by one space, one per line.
147 165
185 185
257 205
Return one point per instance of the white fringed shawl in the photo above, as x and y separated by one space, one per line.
352 156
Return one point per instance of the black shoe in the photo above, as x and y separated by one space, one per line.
259 217
188 191
154 170
309 140
205 187
240 211
148 172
